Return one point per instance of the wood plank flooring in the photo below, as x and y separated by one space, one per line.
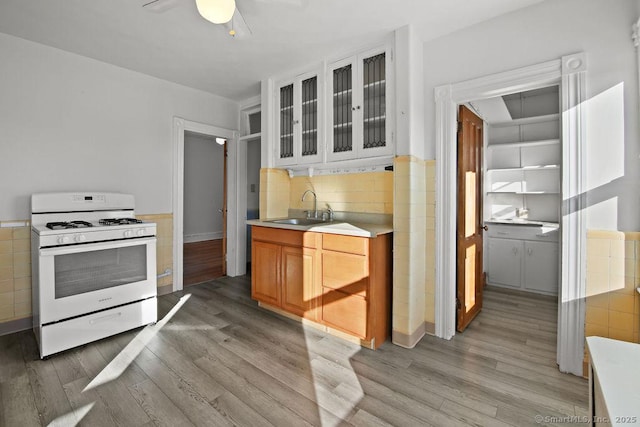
202 261
215 358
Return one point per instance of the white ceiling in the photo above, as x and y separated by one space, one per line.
180 46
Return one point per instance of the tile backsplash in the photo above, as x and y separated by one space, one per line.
613 274
15 273
370 192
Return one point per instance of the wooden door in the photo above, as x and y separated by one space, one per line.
224 211
470 279
265 274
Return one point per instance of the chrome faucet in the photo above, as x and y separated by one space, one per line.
315 203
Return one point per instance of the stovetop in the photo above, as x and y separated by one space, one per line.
80 218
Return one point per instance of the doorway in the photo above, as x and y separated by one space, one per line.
569 73
180 128
520 216
204 208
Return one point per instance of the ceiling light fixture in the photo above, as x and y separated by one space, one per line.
216 11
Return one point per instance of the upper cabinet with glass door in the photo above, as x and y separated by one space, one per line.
298 122
360 107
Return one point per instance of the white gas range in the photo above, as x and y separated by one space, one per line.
93 268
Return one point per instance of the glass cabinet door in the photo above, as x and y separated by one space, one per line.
309 117
373 102
342 109
299 134
285 121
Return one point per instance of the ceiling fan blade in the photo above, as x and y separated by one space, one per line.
160 6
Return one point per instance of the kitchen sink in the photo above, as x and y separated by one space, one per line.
298 221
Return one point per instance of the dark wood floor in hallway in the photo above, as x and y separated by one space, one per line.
202 261
215 358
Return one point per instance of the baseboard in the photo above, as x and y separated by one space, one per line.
430 328
408 340
18 325
164 290
201 237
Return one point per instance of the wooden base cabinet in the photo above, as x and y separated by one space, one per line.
340 282
284 270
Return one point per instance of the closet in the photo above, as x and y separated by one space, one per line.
522 200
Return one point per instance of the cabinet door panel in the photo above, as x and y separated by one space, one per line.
346 272
265 272
505 262
344 311
298 273
541 267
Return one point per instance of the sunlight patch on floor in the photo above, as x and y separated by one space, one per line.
72 418
341 400
119 364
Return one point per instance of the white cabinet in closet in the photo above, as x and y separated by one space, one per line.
523 257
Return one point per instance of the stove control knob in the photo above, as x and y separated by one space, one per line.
80 238
62 240
140 232
128 233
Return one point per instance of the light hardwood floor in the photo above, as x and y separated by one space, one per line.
218 359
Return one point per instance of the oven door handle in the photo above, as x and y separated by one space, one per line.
87 247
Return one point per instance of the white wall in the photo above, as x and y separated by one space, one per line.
203 188
253 174
72 123
548 31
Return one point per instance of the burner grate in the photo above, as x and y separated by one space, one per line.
61 225
120 221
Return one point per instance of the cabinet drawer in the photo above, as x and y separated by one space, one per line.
348 244
344 311
286 237
346 272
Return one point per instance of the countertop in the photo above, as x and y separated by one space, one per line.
348 228
617 366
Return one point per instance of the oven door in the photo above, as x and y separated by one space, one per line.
76 280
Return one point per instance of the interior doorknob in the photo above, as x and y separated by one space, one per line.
485 227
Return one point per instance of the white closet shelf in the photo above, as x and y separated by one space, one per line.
521 144
528 120
527 193
526 168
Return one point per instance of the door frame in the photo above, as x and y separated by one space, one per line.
180 126
570 73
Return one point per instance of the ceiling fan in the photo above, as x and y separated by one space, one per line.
222 12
